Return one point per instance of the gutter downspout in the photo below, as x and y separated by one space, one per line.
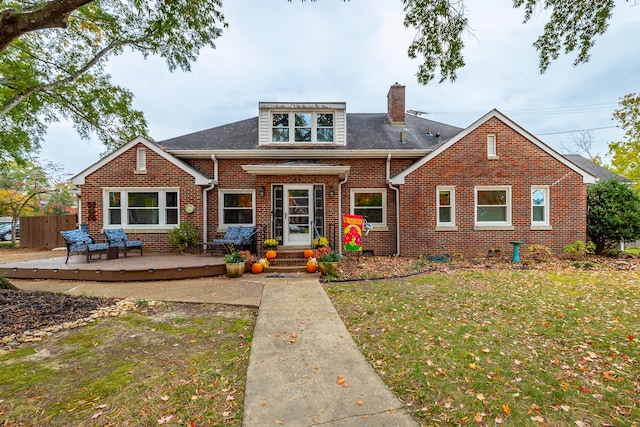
397 191
205 209
340 183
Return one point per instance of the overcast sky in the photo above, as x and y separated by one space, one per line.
353 52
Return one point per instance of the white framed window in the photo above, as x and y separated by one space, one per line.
141 207
492 149
370 203
493 206
540 205
141 159
236 207
446 206
301 127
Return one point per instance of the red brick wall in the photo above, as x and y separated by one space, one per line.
521 164
120 173
465 165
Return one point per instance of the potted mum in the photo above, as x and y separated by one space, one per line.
270 246
320 242
328 263
234 262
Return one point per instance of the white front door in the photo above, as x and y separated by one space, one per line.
297 215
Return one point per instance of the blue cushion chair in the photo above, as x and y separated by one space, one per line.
78 241
236 235
117 237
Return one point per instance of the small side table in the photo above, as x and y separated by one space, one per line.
112 252
516 250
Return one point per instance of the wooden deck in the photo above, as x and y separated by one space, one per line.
132 268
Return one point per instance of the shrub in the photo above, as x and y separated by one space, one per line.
183 236
539 252
613 213
579 249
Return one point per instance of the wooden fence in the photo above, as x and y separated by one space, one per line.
43 232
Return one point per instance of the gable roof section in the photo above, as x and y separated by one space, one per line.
586 176
200 178
595 169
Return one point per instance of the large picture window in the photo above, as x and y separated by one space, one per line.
446 212
493 206
301 127
142 208
236 208
372 204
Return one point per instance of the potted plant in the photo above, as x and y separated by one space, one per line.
270 245
320 242
328 263
234 261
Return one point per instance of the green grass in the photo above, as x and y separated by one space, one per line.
177 364
503 347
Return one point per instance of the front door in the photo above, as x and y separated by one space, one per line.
298 209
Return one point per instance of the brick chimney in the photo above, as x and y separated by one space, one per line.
395 105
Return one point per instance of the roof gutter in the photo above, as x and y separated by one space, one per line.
397 191
340 184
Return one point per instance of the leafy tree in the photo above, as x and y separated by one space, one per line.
626 153
20 188
441 25
52 54
60 201
613 213
58 71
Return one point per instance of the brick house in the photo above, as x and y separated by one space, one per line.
299 166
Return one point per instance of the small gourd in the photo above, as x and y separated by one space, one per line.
256 268
312 268
308 253
271 254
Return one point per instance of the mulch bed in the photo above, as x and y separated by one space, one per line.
25 310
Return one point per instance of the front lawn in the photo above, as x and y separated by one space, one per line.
511 347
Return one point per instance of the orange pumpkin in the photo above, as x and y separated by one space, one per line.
256 268
308 253
271 254
312 268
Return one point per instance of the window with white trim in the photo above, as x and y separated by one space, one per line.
141 159
539 205
492 149
148 207
237 207
446 213
493 205
302 127
370 203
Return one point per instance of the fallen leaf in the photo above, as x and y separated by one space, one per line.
506 409
164 398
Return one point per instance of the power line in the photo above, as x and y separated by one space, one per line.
576 130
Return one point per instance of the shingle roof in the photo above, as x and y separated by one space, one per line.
365 131
595 169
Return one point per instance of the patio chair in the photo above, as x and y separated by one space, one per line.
236 236
117 237
78 241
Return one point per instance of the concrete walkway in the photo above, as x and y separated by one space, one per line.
305 369
301 349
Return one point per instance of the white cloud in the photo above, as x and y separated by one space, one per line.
353 51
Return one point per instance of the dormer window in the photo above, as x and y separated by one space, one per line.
297 127
303 124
